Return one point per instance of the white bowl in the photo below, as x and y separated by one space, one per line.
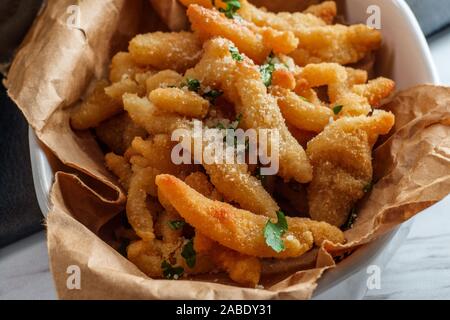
406 58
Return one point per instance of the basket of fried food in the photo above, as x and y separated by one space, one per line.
240 67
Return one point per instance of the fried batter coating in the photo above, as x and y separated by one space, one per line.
181 101
149 255
234 228
236 184
326 11
375 90
335 43
146 257
163 223
256 43
280 21
125 85
283 78
118 132
157 151
139 213
260 111
342 160
200 183
163 79
120 167
96 108
301 113
123 66
146 115
243 269
166 50
355 99
356 76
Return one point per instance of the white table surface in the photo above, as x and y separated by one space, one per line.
420 269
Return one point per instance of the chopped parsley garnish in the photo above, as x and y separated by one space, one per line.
176 224
170 272
188 253
368 187
267 70
274 231
235 53
337 109
212 95
193 84
220 126
232 7
351 220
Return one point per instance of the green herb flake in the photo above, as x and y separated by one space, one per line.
235 54
274 231
351 220
232 7
368 187
189 254
170 272
193 84
267 70
212 95
176 224
337 109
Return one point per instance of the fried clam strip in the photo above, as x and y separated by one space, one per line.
301 113
140 212
123 66
241 83
120 167
355 99
255 42
181 101
326 11
157 151
146 115
335 43
148 256
241 268
314 16
235 182
164 225
163 79
166 50
96 108
260 111
341 157
118 132
232 180
234 228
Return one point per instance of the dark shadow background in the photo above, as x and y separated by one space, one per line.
19 211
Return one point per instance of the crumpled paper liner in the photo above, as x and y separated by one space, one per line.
53 68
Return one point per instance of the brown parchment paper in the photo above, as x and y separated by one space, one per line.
52 70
